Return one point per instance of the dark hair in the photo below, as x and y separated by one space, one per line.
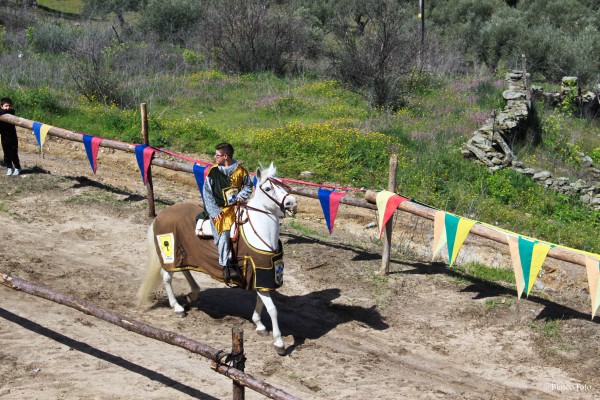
6 100
225 148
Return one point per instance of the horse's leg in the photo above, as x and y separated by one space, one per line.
261 329
167 278
265 298
193 285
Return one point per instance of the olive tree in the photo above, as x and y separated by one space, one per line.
376 49
256 35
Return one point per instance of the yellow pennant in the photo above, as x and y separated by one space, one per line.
43 133
593 272
439 232
462 231
540 251
513 245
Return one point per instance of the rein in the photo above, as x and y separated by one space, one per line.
239 219
276 182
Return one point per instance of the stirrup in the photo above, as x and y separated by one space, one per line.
231 271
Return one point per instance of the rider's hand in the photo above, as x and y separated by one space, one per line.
218 217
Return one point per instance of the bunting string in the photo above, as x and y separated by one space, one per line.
528 254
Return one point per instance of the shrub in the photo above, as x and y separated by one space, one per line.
170 20
333 152
254 36
376 51
50 37
2 38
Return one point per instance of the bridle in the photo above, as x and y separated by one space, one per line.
272 182
240 220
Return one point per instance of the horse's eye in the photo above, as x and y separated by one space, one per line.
267 189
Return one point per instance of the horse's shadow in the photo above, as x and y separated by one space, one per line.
308 316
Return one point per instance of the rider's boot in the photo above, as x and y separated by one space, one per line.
231 270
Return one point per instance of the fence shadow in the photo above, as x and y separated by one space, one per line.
360 254
102 355
485 289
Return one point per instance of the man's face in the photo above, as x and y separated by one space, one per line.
5 106
220 158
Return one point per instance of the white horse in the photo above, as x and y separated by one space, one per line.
173 246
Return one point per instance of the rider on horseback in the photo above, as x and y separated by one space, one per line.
226 183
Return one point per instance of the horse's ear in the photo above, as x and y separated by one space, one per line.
258 174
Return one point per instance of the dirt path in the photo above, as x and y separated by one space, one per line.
424 332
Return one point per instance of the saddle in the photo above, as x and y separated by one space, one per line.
203 229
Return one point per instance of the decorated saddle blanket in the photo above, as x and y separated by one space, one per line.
179 249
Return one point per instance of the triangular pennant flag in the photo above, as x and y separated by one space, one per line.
40 131
92 143
593 272
387 203
200 175
513 245
330 201
439 232
530 254
457 230
537 257
143 154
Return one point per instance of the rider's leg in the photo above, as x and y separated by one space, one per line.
229 266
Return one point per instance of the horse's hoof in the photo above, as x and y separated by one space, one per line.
262 332
180 314
280 350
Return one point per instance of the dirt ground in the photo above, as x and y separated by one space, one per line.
426 331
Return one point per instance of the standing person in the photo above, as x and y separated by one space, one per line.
10 141
226 183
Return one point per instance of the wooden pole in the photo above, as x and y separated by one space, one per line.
145 140
387 239
526 80
237 339
420 58
557 253
132 325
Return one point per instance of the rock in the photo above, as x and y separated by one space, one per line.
586 161
542 176
513 95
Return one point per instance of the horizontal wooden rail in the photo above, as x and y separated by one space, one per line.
132 325
557 253
111 144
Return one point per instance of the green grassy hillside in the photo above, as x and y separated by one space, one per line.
318 126
84 77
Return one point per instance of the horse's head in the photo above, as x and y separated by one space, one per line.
273 194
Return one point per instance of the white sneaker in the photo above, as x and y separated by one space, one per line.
16 171
9 171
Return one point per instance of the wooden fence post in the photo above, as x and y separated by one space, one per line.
387 240
237 340
145 140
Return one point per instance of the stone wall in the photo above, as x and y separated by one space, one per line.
490 144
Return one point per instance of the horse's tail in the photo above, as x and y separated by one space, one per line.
152 278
